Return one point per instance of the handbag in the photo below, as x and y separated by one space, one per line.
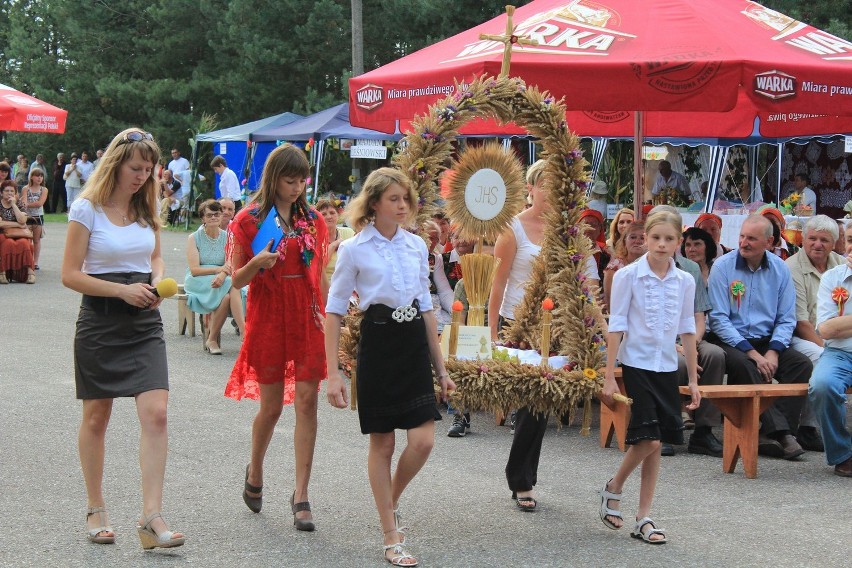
18 233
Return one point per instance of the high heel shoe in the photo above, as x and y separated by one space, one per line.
301 524
212 348
150 539
94 535
253 503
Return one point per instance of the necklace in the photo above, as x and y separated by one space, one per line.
207 235
303 230
289 232
117 210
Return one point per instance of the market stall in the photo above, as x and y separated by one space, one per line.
739 68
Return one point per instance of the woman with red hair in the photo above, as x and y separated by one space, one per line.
712 225
595 231
779 246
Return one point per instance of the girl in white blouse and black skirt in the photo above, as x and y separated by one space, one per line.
388 267
652 303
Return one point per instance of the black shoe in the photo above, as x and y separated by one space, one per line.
705 443
791 447
809 438
667 449
768 447
460 427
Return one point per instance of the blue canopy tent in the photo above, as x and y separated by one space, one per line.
329 123
238 146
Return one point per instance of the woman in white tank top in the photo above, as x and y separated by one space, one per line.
517 248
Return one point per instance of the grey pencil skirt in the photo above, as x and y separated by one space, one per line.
119 349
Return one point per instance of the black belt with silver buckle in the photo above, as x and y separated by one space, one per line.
381 314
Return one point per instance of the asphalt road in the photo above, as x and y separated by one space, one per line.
793 514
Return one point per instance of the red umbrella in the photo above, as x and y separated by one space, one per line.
726 62
22 113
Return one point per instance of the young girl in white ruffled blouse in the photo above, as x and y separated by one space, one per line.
652 303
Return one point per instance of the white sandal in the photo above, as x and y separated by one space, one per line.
397 521
399 555
646 536
151 539
94 535
605 511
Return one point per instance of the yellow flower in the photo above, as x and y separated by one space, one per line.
590 373
352 179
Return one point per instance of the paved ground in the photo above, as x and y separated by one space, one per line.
794 514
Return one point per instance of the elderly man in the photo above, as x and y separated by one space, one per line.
228 212
807 267
833 372
752 320
668 178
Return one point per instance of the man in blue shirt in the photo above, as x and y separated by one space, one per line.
752 318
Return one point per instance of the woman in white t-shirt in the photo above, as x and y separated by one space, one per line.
73 181
112 257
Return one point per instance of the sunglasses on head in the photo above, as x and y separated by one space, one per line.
136 136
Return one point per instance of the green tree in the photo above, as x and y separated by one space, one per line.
833 16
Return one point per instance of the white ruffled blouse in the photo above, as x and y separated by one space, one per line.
651 312
392 272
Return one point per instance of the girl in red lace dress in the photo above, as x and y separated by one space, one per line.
282 356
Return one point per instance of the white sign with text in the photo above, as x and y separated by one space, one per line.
485 194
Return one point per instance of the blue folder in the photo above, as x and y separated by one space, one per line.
270 230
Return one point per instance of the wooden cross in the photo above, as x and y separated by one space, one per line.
507 40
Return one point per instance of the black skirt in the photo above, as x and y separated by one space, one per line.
655 412
119 350
394 374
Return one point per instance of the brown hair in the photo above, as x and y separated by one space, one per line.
284 161
323 204
209 205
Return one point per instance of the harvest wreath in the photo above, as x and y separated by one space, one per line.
558 270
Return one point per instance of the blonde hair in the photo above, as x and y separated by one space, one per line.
284 161
102 183
621 243
430 225
614 235
360 211
664 217
534 172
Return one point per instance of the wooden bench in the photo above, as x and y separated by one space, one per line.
614 420
741 406
186 317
